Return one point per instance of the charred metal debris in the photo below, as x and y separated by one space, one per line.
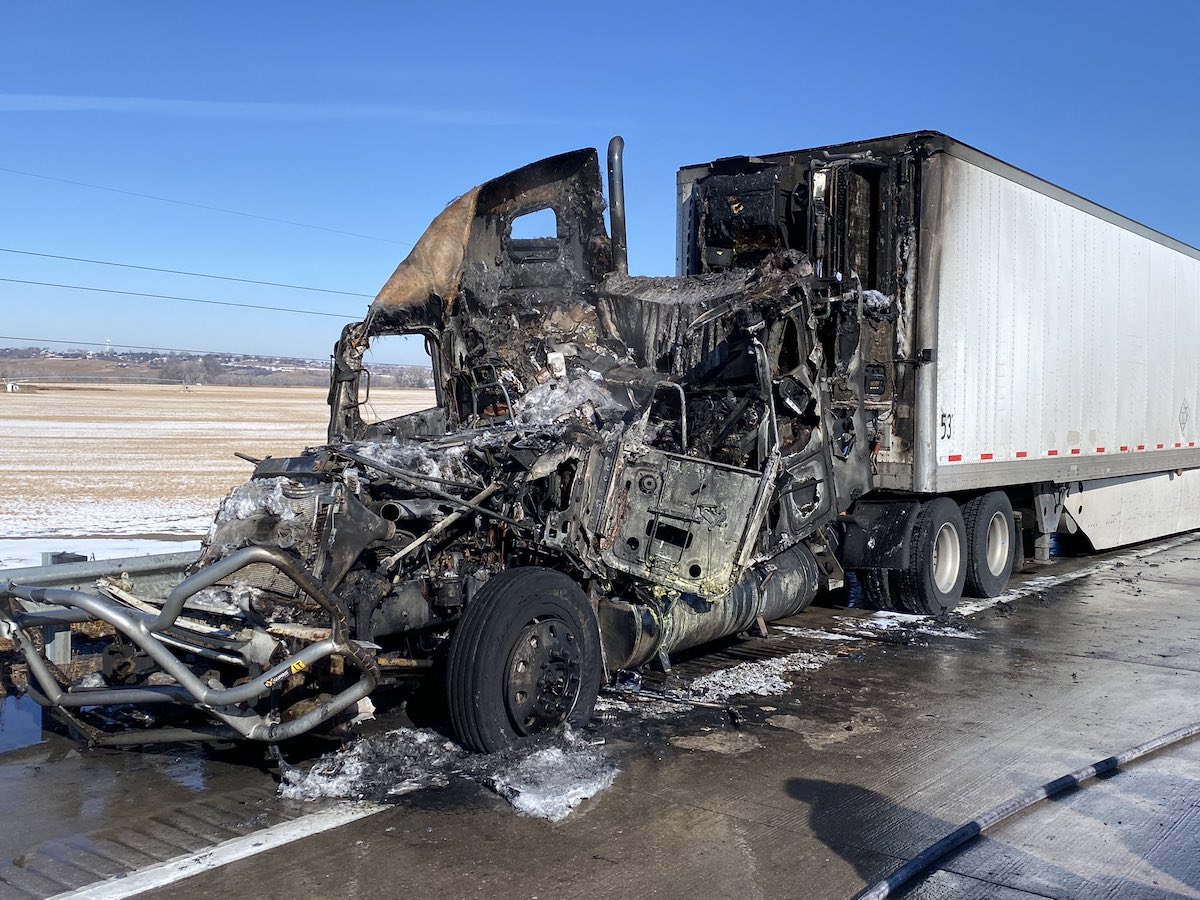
618 467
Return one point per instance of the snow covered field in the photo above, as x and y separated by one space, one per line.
140 461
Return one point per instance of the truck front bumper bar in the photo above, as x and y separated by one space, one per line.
232 707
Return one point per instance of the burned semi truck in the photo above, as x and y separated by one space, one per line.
899 359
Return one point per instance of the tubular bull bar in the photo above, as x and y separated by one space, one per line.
229 705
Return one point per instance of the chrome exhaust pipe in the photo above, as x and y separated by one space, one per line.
616 204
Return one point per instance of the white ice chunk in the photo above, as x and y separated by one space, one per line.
551 783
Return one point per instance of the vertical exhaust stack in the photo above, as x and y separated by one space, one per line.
616 204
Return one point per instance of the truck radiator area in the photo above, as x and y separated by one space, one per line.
159 635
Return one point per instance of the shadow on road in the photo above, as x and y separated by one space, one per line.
876 835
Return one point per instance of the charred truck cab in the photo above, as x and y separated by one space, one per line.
618 468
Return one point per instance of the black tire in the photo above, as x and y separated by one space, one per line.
989 522
877 590
933 582
524 659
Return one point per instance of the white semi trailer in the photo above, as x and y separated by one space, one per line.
1043 346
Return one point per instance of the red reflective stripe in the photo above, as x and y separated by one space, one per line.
1191 443
955 457
1177 444
1052 453
1099 449
1159 446
1021 454
1141 446
1074 451
985 456
1124 448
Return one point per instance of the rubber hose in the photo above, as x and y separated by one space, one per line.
1009 808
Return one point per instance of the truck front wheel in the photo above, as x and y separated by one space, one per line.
524 659
932 583
990 543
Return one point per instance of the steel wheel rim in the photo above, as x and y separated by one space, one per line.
997 547
543 676
947 558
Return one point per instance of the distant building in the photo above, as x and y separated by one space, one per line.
11 387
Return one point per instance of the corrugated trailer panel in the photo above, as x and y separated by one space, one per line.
1067 345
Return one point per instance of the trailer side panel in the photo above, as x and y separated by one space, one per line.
1066 344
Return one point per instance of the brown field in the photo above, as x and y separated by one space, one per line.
148 459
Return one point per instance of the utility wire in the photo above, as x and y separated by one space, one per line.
103 262
80 287
40 341
232 212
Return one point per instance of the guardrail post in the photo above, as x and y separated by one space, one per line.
58 637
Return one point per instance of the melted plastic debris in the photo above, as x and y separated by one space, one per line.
254 498
228 600
556 400
260 512
764 678
547 780
414 456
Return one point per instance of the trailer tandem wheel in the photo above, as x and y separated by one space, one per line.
524 659
990 544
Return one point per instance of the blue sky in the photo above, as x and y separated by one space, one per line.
369 117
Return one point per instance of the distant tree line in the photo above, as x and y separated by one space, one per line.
209 368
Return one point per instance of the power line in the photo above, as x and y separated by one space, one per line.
100 290
102 262
232 212
40 341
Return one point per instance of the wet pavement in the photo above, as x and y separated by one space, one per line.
891 733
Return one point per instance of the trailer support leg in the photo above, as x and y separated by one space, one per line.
1048 502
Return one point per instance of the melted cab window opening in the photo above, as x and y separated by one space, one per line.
398 377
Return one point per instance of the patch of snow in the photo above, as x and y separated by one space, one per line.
887 621
814 634
764 678
947 631
1045 582
69 515
17 553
